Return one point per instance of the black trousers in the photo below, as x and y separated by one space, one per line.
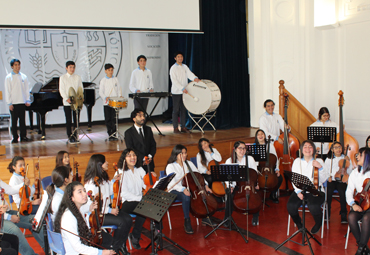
178 106
19 112
280 181
68 114
128 207
341 187
123 221
361 236
314 205
141 103
9 244
110 119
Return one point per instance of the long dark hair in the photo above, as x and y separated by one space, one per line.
58 178
322 111
59 158
95 169
67 203
203 159
367 139
366 164
256 139
330 153
234 157
175 151
123 157
312 144
14 163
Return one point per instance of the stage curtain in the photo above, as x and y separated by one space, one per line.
220 55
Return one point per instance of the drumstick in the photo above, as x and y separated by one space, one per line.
195 98
106 100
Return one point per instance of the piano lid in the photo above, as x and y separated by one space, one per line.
53 86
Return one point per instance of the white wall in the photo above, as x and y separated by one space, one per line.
315 63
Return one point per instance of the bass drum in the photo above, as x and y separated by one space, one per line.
202 97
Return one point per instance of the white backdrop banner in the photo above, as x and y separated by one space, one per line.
43 54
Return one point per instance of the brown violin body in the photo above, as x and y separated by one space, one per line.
218 188
342 175
268 179
96 218
25 205
37 194
246 199
199 196
76 177
149 179
362 198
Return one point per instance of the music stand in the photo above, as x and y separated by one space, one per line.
257 151
228 173
321 135
303 183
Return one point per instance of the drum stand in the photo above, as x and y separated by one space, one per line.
116 134
77 130
205 117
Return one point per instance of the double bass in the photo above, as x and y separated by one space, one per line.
268 180
289 148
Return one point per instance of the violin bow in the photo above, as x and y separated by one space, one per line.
83 238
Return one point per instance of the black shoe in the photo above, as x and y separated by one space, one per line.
274 198
361 250
315 229
15 140
255 221
122 251
207 221
25 139
187 226
72 139
134 241
344 219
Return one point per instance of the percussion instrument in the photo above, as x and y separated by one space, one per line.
117 102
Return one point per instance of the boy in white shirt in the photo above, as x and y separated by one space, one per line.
109 87
179 74
17 97
141 81
66 81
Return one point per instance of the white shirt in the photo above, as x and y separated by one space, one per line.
251 164
273 151
9 190
17 88
141 80
16 180
179 78
305 168
106 189
72 243
65 82
179 171
335 168
109 87
271 124
355 181
329 123
132 184
209 157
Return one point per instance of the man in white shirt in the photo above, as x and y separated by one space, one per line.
141 81
17 97
66 81
179 74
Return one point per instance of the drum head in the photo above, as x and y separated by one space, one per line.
202 97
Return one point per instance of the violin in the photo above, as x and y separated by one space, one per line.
37 194
246 199
362 198
315 173
76 177
218 188
149 179
202 204
117 201
342 175
268 180
289 148
25 205
96 218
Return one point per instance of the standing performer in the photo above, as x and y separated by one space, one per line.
109 87
17 97
324 121
305 167
355 182
178 164
332 164
140 138
260 138
66 81
205 155
179 74
69 220
141 81
271 123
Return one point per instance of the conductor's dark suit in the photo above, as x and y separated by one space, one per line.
134 140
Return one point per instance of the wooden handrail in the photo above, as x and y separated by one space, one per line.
299 118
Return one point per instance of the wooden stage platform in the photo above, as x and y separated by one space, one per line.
56 139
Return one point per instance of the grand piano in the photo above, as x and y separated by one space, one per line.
47 98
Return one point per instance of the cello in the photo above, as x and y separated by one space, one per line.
290 147
25 205
218 188
268 180
149 179
117 201
202 204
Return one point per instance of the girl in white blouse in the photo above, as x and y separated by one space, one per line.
355 181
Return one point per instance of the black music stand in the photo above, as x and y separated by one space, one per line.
303 183
227 173
321 135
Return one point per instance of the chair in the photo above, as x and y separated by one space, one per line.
194 161
55 241
5 119
348 230
46 181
